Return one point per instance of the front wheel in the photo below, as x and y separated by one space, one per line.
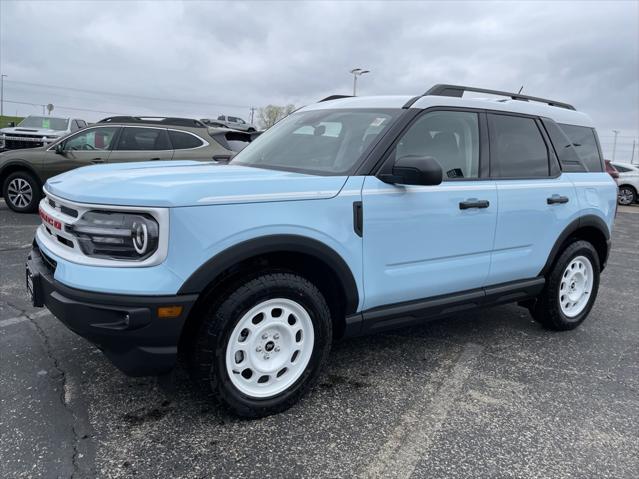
21 192
626 195
571 288
261 348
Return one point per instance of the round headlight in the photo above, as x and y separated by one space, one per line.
140 236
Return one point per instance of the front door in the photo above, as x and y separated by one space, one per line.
87 147
425 241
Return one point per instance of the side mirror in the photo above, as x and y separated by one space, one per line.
59 148
415 170
222 158
11 124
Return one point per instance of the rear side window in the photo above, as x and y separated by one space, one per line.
184 141
585 143
622 169
143 139
517 148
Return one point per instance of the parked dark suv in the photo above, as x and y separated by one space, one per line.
112 140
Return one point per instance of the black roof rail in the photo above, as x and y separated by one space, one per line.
334 97
458 90
154 120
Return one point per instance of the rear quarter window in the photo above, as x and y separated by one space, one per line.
584 140
184 141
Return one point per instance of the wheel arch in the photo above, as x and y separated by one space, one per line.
629 185
590 228
15 166
308 257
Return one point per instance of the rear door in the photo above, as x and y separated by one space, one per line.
425 241
536 201
142 144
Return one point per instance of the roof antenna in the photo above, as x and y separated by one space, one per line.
522 87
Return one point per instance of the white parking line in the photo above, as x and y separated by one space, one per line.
413 436
21 319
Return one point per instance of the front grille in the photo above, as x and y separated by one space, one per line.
63 209
17 142
69 211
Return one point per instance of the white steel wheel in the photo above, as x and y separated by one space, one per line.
20 192
576 285
269 348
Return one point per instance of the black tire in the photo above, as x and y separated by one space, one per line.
34 185
629 195
208 356
547 309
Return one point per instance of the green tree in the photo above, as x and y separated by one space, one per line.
271 114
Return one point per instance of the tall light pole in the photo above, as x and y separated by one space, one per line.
2 94
357 72
614 144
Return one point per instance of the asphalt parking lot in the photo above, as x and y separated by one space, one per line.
483 394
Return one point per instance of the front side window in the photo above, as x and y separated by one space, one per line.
93 139
328 142
517 148
44 122
184 141
450 137
143 139
585 143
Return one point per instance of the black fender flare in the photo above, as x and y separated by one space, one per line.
224 260
592 221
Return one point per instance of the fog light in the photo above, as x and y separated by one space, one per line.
169 311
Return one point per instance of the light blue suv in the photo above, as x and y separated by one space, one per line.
352 215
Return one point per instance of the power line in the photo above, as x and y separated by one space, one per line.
62 107
125 95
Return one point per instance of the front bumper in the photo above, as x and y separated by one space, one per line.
125 327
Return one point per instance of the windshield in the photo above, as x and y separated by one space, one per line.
44 122
328 142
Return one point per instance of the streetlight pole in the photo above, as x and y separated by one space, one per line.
357 72
614 145
2 94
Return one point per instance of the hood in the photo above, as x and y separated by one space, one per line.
31 131
188 183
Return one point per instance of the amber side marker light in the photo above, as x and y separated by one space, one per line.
169 311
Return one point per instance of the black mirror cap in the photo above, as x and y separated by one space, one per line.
415 170
59 148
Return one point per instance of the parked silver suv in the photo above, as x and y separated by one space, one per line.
35 131
230 122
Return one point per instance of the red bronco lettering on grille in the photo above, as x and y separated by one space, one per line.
50 221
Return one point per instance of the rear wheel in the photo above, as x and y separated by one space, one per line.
571 288
261 348
626 195
21 192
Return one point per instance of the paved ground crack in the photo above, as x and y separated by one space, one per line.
67 406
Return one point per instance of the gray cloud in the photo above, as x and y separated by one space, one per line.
215 57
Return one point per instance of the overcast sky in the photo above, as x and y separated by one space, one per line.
207 58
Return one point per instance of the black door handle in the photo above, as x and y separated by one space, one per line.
465 205
556 199
97 160
154 159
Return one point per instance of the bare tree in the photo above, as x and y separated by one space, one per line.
271 114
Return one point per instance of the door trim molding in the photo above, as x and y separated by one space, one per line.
419 311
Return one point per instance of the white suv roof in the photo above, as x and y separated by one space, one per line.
511 102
